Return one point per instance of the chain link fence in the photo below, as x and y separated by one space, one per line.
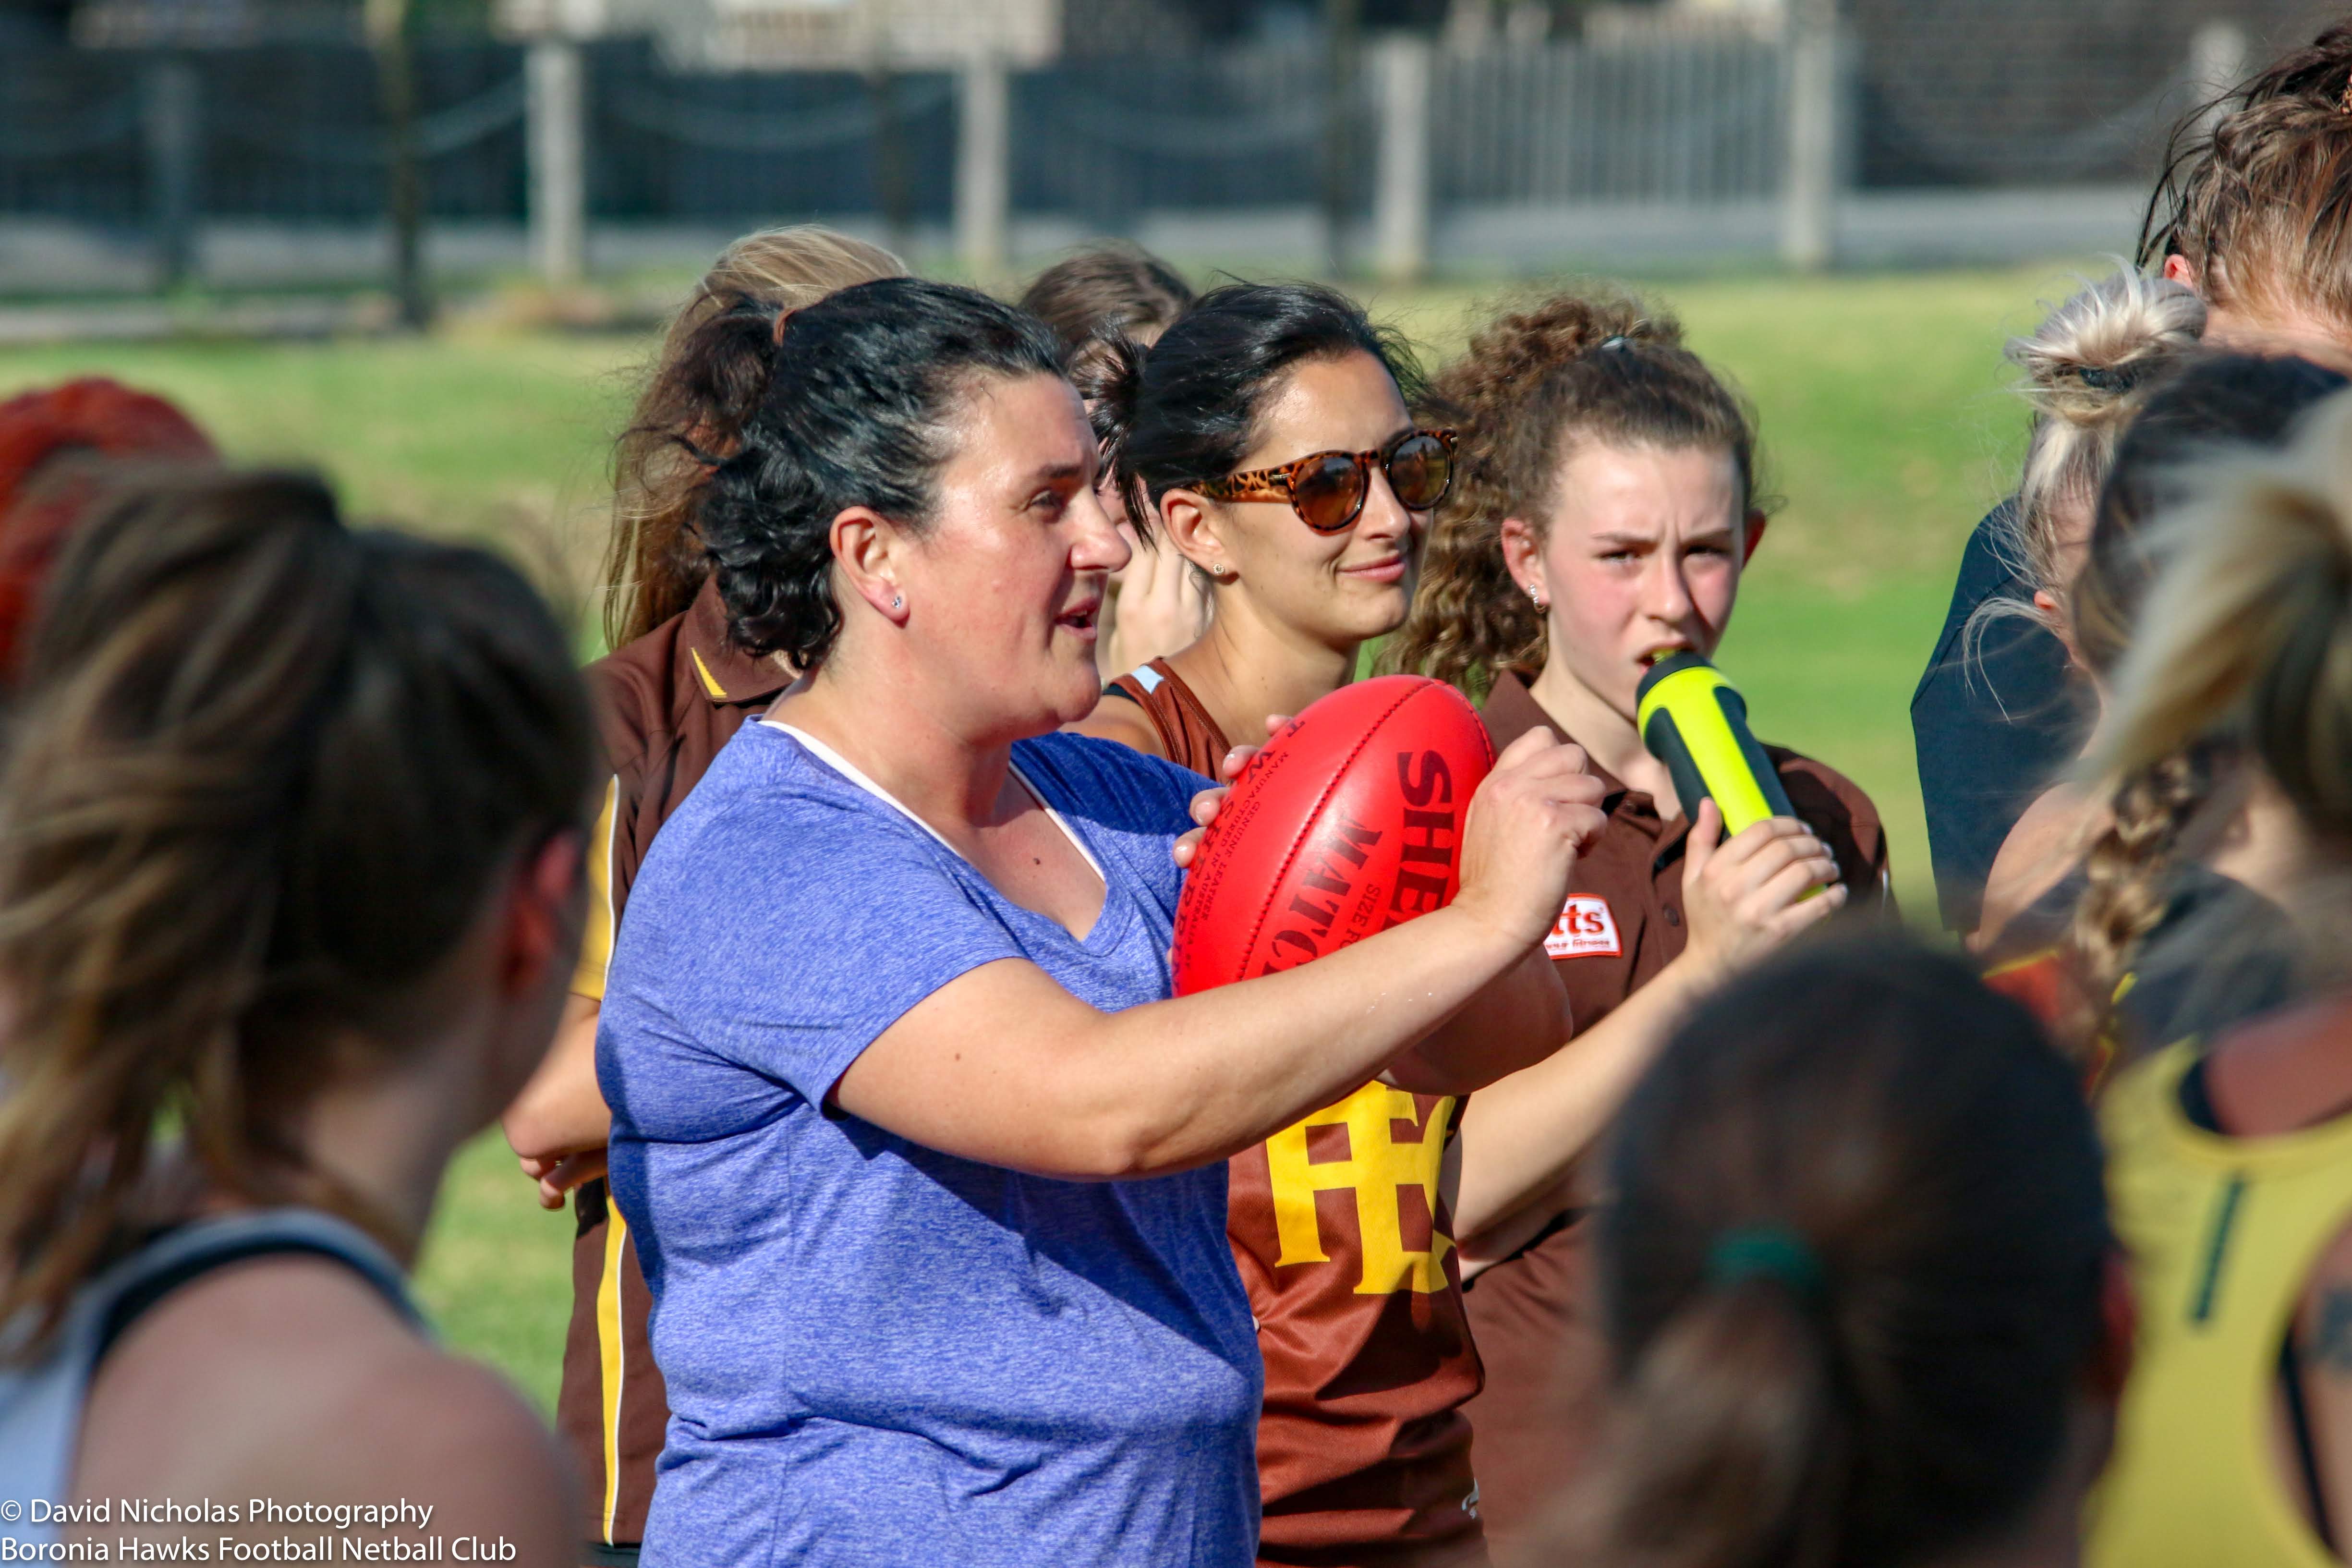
1686 127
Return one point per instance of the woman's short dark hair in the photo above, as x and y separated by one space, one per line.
2210 402
1185 409
1853 1270
861 387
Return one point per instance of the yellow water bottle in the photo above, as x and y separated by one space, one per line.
1695 723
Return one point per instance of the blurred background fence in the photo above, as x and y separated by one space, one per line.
1878 131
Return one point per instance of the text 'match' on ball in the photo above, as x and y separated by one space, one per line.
1348 822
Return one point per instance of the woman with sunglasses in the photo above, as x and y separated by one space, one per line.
1267 437
1248 438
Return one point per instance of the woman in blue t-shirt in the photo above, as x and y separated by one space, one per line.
925 1171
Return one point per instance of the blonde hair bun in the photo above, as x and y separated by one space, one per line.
2094 351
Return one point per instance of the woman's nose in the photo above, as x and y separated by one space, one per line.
1101 544
1384 516
1669 596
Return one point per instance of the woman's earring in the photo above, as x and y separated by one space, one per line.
1542 605
899 601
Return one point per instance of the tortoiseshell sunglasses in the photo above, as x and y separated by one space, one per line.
1327 489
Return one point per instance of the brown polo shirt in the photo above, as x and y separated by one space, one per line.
1344 1243
1534 1315
665 704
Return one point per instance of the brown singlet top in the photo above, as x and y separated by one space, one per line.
665 705
1536 1316
1187 732
1340 1234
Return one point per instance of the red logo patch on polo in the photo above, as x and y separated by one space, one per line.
1585 930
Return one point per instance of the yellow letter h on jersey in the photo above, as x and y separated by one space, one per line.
1377 1168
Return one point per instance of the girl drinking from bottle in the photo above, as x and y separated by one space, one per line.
1266 439
1606 505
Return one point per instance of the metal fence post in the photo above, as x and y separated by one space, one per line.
1401 202
2217 62
984 187
388 29
175 162
1816 109
1342 29
555 102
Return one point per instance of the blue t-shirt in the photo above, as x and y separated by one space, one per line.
879 1355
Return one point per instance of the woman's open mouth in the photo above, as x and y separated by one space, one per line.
1079 619
1662 651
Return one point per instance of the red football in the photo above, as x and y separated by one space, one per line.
1347 822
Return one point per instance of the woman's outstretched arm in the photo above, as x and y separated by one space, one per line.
1003 1066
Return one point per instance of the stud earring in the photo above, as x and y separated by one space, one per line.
898 600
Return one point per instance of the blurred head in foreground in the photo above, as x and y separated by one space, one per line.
290 825
57 444
1855 1278
696 400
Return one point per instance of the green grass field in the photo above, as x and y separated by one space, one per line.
1885 425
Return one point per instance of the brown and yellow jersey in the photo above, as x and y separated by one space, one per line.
666 703
1535 1313
1341 1232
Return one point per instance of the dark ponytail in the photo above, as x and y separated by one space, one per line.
700 388
856 411
1186 409
1730 1440
266 772
1109 376
1851 1271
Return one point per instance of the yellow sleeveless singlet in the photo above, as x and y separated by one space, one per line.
2222 1233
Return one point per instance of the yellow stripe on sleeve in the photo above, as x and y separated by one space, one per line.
615 1364
597 940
